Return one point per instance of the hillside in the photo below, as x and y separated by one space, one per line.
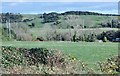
32 26
77 21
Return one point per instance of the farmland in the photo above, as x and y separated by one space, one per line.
89 38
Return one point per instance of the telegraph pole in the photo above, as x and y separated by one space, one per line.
111 22
9 28
83 23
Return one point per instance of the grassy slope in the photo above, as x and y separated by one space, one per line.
88 52
89 20
37 20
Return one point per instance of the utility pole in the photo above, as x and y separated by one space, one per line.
111 22
8 24
9 28
83 23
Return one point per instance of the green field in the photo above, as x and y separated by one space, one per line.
89 52
89 20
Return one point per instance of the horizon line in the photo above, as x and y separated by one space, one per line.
60 12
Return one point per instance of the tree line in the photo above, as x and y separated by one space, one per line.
85 13
10 17
54 17
112 36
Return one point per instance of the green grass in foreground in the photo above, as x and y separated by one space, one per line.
89 52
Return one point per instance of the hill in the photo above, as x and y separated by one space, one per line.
30 26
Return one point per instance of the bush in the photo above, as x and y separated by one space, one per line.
37 55
55 36
109 35
111 66
40 39
51 60
12 56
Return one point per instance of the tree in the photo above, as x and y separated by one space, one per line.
50 17
74 37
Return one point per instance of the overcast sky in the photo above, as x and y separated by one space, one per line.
41 7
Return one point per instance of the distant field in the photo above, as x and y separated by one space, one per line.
89 52
87 20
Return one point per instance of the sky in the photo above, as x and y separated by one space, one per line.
60 0
41 7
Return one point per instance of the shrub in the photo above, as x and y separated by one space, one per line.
110 35
40 39
37 55
12 56
111 66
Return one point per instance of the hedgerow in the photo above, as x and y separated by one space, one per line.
50 61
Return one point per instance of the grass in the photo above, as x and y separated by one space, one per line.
89 20
89 52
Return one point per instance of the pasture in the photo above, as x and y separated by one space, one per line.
89 52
